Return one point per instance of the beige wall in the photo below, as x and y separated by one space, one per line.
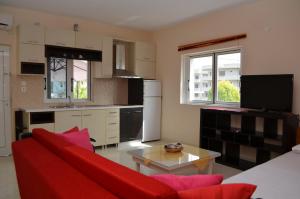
106 91
272 46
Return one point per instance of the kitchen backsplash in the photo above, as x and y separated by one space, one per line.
28 92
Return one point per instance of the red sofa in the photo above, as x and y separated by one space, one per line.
48 167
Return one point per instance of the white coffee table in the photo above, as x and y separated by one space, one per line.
157 158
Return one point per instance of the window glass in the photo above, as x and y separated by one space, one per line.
57 78
80 79
228 86
200 75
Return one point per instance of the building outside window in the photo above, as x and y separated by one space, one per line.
67 80
219 79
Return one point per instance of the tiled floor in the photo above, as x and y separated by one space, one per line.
8 182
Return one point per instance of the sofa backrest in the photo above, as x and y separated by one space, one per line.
119 180
42 174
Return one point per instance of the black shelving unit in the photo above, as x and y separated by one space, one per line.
217 134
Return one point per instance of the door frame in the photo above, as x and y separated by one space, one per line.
5 151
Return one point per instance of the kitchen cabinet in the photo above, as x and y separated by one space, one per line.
87 40
47 126
31 53
65 120
144 51
59 37
31 34
31 50
112 126
34 120
104 69
94 121
144 65
145 69
131 124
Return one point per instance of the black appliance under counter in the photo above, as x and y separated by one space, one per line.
131 124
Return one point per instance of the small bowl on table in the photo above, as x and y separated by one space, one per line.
174 147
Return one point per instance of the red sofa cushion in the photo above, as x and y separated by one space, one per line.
50 140
43 175
180 183
118 179
224 191
79 138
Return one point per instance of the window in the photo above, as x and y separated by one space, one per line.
67 79
220 77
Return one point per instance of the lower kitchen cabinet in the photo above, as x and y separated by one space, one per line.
94 120
131 124
112 126
65 120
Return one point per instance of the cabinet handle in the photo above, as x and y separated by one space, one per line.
137 111
113 123
33 42
113 112
88 115
112 137
76 115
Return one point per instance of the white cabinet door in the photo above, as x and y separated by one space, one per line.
145 69
32 53
65 120
94 120
112 126
47 126
60 37
144 51
107 57
31 34
88 41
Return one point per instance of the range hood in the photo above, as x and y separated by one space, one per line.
123 60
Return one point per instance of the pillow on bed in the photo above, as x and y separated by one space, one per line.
223 191
79 138
296 148
180 183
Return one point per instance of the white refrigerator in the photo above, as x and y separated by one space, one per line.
152 110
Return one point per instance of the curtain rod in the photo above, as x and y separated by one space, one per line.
211 42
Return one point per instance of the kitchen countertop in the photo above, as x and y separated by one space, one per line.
78 108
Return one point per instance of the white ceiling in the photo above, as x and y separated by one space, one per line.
141 14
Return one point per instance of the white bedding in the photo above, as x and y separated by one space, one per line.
278 178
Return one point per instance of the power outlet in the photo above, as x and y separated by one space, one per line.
23 89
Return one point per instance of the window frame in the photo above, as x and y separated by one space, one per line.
185 73
69 77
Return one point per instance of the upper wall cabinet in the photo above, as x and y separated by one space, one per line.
104 69
144 51
31 50
144 65
87 40
31 53
58 37
31 34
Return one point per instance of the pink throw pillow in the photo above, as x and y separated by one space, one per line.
79 138
180 183
74 129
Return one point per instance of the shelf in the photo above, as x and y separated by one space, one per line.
240 164
216 134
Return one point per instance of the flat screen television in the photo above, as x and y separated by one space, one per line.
267 92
